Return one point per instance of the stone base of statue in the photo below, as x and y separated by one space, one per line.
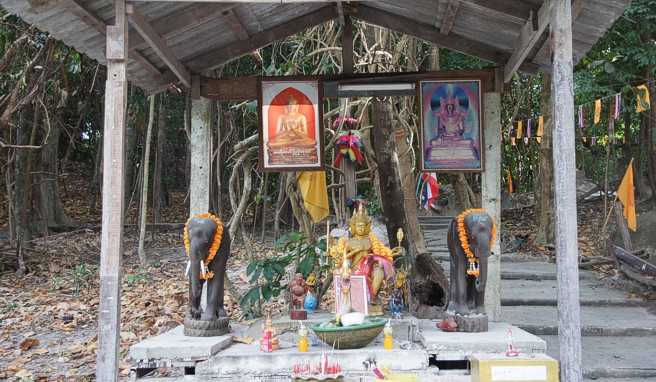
298 315
375 310
471 323
205 328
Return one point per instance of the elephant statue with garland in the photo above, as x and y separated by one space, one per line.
469 238
207 244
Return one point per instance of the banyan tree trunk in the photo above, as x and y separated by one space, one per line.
427 281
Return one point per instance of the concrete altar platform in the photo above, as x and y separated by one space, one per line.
420 348
174 349
459 346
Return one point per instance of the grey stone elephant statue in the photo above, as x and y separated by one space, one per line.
202 235
468 264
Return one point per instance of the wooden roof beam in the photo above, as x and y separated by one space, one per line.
428 32
514 8
143 27
577 8
216 57
530 36
99 25
449 16
235 24
178 23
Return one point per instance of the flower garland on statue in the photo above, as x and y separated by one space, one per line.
214 247
473 269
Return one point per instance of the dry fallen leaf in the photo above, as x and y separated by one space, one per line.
28 343
23 374
243 340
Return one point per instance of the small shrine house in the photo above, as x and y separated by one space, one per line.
157 44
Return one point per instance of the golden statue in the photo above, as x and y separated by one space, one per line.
291 128
365 253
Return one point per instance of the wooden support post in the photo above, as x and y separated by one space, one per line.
111 241
491 199
347 46
201 135
569 310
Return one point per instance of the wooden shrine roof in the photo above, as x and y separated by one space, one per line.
171 39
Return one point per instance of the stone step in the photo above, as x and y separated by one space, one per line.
529 270
441 253
544 293
595 320
614 357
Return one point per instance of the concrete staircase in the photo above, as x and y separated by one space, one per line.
619 332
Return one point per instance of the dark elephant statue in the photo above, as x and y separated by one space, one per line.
200 234
469 273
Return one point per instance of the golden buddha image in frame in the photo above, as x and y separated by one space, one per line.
291 131
451 125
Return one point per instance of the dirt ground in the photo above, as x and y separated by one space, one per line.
48 318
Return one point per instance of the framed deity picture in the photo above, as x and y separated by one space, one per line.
291 129
451 125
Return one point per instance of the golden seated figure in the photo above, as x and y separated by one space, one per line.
366 254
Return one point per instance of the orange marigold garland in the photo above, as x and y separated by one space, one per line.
216 241
473 269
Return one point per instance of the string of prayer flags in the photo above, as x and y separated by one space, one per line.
540 129
520 128
581 122
611 124
626 195
642 100
597 111
528 131
618 105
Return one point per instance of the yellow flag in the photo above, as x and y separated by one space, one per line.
520 128
312 185
597 111
642 101
540 129
625 193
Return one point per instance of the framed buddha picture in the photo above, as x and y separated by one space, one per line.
291 129
451 125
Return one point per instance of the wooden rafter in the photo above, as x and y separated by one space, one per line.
529 38
514 8
577 8
235 24
177 23
99 25
143 27
216 57
449 17
429 33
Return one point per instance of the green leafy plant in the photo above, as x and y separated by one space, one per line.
82 275
137 278
267 276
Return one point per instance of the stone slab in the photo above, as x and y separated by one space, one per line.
458 346
175 346
246 359
614 357
544 292
595 320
